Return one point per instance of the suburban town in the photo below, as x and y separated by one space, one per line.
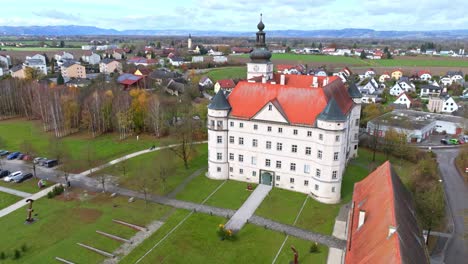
241 138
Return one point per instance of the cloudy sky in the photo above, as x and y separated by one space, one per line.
240 15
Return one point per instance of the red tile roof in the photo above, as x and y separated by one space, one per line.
226 84
420 73
386 203
300 102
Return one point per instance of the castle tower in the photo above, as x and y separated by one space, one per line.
218 111
260 64
189 42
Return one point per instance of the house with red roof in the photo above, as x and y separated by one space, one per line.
424 75
382 225
295 132
384 77
225 85
404 100
129 80
290 69
238 50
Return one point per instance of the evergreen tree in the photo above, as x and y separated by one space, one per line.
354 45
320 46
363 55
62 43
60 79
314 45
158 45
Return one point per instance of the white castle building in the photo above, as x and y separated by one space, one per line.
295 132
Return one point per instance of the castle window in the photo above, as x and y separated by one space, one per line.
319 154
294 148
270 107
291 180
269 129
219 156
333 189
254 161
335 156
241 125
334 175
306 168
306 183
241 171
254 142
231 156
293 167
279 146
218 169
309 133
231 123
278 177
337 138
295 131
278 164
241 158
268 144
231 169
316 187
267 163
308 150
255 127
241 141
231 139
254 173
219 139
280 130
320 136
317 173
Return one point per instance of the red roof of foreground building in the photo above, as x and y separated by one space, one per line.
300 102
226 84
387 206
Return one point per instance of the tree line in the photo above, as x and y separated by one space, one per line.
99 108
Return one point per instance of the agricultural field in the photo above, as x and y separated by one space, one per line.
279 58
14 133
38 49
420 62
63 222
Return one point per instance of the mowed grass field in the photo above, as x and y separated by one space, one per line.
305 58
407 62
227 73
15 132
7 199
63 223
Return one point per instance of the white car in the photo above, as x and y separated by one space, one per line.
12 176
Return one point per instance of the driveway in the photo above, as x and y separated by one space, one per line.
456 191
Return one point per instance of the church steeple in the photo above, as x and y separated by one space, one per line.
261 52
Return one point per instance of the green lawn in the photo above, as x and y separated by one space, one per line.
103 148
396 62
61 224
227 73
198 189
37 49
29 186
7 199
196 241
145 167
231 195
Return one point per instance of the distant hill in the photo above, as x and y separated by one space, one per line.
340 33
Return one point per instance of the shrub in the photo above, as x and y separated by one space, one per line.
57 190
2 255
17 254
225 234
314 248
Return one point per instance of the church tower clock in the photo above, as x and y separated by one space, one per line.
260 64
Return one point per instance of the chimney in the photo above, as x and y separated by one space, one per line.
283 79
264 79
325 81
314 82
362 216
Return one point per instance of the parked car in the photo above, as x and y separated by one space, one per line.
27 157
38 159
11 177
23 177
13 155
444 141
4 173
454 141
50 163
4 153
20 156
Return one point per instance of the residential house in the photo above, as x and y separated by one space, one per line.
141 61
176 61
205 82
424 75
369 73
197 59
212 52
175 88
370 99
142 72
17 72
456 76
118 54
73 70
129 80
225 85
370 87
163 76
220 59
403 99
436 104
449 105
79 83
384 77
430 90
237 50
36 64
63 55
290 69
401 87
397 74
91 58
382 225
278 50
37 57
108 66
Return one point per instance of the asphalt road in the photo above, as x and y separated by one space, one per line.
456 191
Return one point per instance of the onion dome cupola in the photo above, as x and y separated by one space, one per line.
261 52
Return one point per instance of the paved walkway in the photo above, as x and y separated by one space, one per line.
14 192
239 219
21 203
